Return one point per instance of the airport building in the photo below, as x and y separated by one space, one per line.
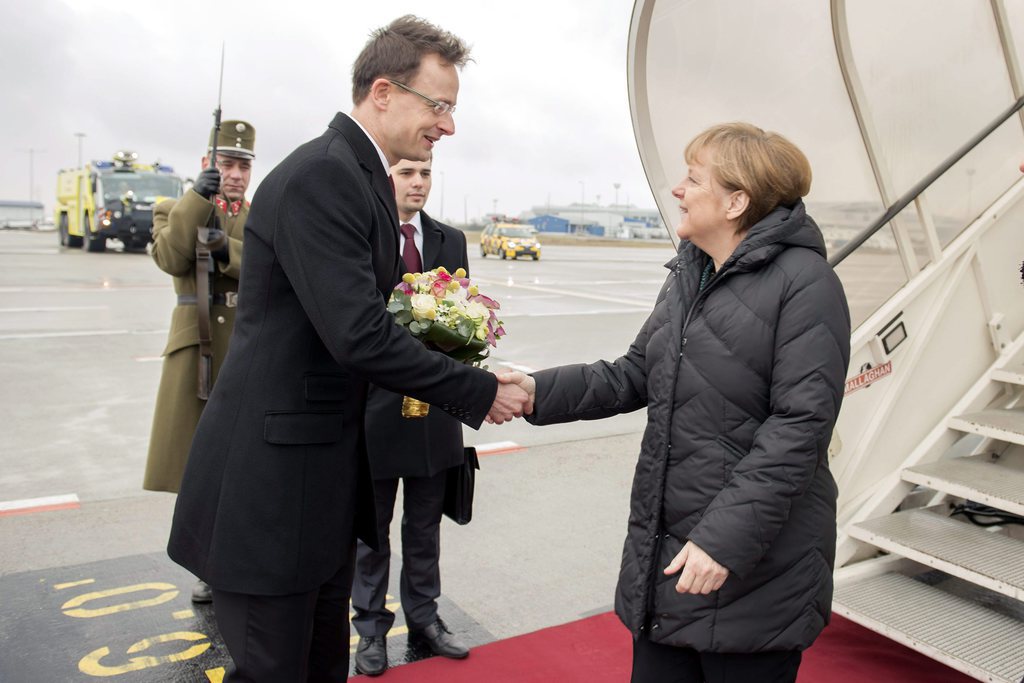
619 221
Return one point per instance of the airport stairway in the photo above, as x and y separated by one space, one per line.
941 584
922 446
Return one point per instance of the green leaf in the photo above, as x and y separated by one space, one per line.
414 327
395 306
403 317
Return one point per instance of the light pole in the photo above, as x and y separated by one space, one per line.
616 186
32 151
583 213
78 182
79 136
494 210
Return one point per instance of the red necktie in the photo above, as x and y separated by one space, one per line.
410 254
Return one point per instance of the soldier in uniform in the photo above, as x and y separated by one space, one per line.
419 451
218 191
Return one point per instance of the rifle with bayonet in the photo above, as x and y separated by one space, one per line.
209 238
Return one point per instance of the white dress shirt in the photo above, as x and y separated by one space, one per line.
380 152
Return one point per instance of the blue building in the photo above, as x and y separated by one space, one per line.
550 223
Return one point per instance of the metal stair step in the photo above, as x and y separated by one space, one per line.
997 482
931 538
1010 375
959 633
1005 425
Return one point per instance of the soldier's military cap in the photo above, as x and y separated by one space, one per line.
236 139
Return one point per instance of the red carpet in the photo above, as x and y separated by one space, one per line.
599 649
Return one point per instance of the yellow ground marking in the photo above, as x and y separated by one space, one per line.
182 614
72 584
170 591
216 675
92 666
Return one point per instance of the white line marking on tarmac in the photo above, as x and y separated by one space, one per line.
567 314
148 359
86 333
61 502
101 287
548 290
600 283
51 309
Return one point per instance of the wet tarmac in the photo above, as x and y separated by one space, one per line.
132 619
80 342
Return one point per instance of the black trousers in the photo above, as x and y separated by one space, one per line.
656 663
301 638
420 581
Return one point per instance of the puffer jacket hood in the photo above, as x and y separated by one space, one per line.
742 382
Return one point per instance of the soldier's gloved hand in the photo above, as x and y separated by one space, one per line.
223 254
208 182
214 238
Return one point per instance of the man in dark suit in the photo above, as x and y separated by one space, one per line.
419 451
277 486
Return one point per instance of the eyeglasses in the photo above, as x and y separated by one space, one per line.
440 108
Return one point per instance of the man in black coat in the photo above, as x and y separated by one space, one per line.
417 450
277 486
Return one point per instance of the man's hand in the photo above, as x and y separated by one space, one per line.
510 401
524 381
701 574
208 182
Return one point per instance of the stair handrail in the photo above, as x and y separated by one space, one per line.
922 185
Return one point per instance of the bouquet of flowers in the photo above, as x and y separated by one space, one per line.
449 314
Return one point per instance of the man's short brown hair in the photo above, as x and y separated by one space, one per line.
770 169
396 51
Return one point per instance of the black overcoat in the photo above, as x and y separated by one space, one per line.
742 383
277 476
417 447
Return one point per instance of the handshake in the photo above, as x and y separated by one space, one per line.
516 393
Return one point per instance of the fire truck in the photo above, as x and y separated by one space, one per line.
112 199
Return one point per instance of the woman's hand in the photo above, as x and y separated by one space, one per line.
701 574
524 381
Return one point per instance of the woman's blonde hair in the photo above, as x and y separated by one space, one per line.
770 169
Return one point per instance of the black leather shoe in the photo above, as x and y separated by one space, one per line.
372 656
202 593
440 640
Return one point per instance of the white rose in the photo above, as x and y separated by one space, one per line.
424 306
457 296
476 310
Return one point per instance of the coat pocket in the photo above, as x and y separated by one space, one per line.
294 428
733 454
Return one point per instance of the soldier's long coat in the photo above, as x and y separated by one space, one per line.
177 406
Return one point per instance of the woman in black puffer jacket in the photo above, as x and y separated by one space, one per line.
727 566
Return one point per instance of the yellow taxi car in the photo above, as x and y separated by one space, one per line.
509 240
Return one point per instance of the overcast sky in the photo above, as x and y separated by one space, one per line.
543 112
